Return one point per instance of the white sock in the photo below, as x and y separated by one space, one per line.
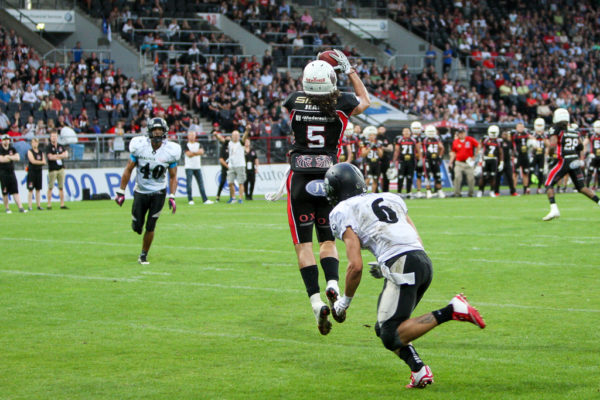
316 302
553 207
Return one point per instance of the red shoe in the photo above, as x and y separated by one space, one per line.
515 194
497 194
463 311
420 380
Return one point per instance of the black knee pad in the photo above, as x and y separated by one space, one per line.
389 336
136 227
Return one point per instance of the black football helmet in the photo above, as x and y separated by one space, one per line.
343 181
157 123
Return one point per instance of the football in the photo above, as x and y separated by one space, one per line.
326 56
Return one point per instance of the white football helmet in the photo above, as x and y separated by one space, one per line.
349 129
430 131
369 130
539 124
416 128
493 131
596 126
319 78
560 115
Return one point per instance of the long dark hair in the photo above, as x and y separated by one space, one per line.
326 103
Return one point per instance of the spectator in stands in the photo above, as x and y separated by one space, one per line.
77 53
4 122
430 57
29 96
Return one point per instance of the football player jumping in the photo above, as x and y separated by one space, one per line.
152 156
379 222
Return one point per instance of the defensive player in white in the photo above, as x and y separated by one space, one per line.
152 157
379 222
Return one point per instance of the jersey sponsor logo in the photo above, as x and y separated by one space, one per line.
315 188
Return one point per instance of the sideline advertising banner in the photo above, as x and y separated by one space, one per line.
107 180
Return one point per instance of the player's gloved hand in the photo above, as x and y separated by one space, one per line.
501 166
471 162
342 60
375 270
342 304
545 169
172 205
120 198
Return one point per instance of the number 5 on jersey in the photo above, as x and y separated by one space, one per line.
315 139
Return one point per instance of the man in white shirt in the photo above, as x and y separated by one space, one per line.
379 222
193 165
177 82
237 166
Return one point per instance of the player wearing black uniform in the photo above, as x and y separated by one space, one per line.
417 134
569 148
539 153
372 152
505 168
405 156
8 179
491 152
433 151
318 117
386 159
593 145
520 138
34 173
251 167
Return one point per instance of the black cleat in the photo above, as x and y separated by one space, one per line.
332 296
142 260
323 323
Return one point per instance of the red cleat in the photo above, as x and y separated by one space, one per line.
420 380
463 311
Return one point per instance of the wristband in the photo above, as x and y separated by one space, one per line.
172 196
120 192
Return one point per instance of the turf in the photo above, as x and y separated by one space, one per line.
221 311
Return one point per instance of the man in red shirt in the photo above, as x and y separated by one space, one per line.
461 160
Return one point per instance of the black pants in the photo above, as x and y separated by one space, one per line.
507 172
249 184
222 181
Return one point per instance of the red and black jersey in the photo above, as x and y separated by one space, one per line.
314 131
595 144
568 144
408 147
7 166
520 142
540 147
352 142
491 148
432 148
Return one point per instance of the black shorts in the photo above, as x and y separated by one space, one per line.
406 169
432 168
373 169
8 182
490 167
522 162
563 168
307 207
397 302
34 179
595 163
152 204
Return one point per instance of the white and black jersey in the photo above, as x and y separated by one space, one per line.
380 222
151 165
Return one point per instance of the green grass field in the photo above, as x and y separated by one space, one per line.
221 311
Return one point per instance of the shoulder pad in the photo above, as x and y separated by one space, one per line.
174 150
137 144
